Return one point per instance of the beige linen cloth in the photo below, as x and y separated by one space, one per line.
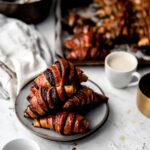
23 55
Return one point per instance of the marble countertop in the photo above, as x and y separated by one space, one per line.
125 129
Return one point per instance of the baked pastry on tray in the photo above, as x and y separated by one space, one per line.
117 22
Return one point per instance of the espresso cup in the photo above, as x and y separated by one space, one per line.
120 69
143 95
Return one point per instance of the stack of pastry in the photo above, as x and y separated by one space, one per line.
86 42
123 22
55 97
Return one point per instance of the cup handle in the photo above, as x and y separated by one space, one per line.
136 75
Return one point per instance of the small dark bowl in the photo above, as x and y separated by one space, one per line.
30 12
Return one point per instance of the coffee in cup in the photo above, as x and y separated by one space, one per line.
120 69
121 63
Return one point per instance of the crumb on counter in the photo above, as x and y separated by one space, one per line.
122 138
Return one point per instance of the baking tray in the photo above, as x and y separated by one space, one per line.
62 7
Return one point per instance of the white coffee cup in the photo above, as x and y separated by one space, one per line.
120 69
21 144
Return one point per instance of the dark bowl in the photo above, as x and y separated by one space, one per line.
30 12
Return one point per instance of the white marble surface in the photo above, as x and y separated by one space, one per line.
126 128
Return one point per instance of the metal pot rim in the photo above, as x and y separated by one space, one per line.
17 3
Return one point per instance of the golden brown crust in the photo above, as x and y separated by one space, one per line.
83 97
85 53
81 40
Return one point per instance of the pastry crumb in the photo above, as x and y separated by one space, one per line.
128 111
122 138
133 121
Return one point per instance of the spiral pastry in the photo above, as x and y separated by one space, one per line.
63 122
46 99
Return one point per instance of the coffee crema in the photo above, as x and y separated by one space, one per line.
121 63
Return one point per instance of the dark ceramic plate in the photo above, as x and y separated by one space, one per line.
96 116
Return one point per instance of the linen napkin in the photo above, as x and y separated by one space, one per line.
23 55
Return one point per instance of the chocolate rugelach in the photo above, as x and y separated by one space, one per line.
84 96
61 73
44 100
65 122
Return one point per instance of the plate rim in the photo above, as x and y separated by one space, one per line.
76 137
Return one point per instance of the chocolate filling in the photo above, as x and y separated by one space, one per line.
32 109
64 93
79 99
54 97
35 85
67 80
63 124
59 67
28 98
49 76
27 114
74 104
88 53
75 76
44 96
